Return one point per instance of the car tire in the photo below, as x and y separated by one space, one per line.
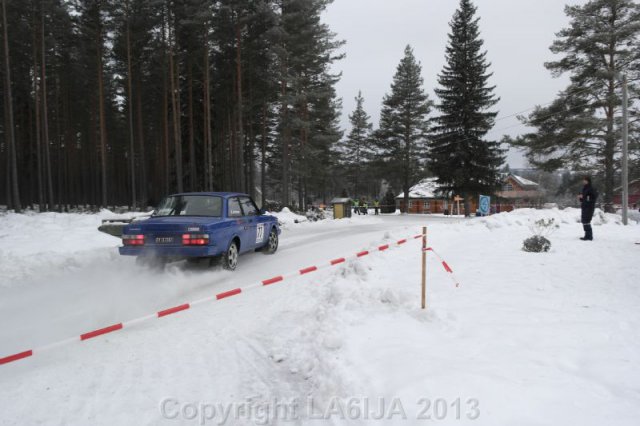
230 257
272 242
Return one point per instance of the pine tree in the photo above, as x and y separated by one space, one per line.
402 136
578 130
356 150
324 133
308 108
463 162
262 88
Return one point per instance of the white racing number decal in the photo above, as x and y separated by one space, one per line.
260 233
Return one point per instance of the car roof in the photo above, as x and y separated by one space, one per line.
217 194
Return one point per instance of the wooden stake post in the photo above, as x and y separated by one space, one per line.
457 199
424 267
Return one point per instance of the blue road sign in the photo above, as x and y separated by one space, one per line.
485 205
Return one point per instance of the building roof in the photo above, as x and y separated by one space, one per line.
523 182
340 200
426 188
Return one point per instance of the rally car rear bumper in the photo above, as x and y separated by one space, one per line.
170 251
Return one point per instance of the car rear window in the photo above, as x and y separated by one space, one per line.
190 205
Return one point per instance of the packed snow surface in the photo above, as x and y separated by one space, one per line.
527 339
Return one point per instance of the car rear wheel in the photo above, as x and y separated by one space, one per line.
272 243
230 258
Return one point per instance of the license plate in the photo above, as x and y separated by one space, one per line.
164 240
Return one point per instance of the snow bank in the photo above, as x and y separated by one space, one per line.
33 242
525 217
286 217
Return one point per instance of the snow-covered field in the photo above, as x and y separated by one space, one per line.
527 339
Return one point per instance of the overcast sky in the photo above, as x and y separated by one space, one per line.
517 35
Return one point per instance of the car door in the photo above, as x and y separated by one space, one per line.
235 213
255 230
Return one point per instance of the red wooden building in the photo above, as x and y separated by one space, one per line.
516 192
423 198
634 194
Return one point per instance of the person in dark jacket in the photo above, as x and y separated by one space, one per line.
587 198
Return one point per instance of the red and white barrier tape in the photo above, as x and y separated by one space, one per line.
445 265
219 296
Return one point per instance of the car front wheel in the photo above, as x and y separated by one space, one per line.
272 244
230 258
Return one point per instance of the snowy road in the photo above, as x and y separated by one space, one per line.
89 289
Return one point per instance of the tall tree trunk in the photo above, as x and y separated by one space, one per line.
175 100
10 129
132 159
286 140
165 136
610 137
59 154
63 195
92 168
301 203
102 120
207 120
45 112
7 174
263 158
304 140
192 148
251 185
144 202
36 94
165 108
240 133
231 172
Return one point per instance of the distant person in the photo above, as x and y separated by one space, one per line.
364 207
356 207
376 206
587 198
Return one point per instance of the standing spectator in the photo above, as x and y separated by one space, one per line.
356 207
587 198
376 206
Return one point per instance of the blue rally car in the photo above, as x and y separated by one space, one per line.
201 225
